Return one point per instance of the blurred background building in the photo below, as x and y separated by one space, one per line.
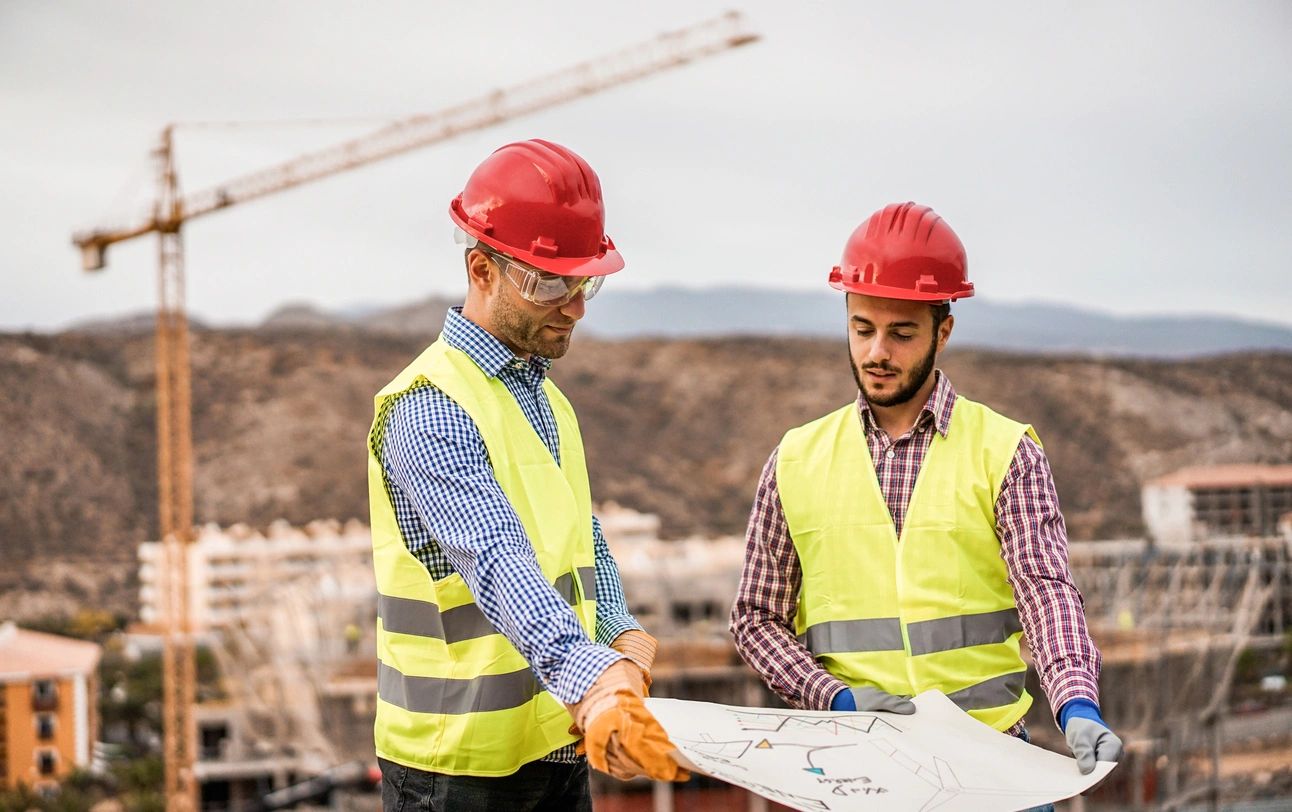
48 706
1194 637
1213 501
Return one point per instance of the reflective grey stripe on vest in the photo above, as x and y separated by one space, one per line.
465 622
946 633
873 634
587 579
993 693
490 692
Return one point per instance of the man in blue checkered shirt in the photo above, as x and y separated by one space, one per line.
502 614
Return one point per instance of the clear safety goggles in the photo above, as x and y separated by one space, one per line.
540 287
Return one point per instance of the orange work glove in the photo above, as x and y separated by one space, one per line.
621 675
628 738
639 647
620 736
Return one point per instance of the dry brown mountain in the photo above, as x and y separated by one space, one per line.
680 428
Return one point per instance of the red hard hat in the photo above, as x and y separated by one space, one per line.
540 203
904 251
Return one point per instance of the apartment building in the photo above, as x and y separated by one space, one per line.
48 706
233 571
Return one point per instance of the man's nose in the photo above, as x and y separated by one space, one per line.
879 350
576 307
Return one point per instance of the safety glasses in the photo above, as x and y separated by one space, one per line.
540 287
545 289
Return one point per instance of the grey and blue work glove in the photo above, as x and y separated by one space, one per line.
1089 737
871 699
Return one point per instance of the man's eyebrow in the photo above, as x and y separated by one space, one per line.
864 320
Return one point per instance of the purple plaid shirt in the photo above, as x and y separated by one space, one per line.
1033 542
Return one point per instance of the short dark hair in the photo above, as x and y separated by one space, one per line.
940 313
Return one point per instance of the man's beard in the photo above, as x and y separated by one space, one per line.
522 331
919 374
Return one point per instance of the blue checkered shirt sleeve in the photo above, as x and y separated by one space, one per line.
437 463
613 618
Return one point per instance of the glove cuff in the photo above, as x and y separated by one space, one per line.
637 646
843 701
618 678
1079 708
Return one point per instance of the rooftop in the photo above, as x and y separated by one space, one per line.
1225 476
25 654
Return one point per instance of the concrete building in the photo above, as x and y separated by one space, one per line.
48 706
233 570
289 615
1217 501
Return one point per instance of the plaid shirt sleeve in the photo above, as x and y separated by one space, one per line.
1034 544
613 618
762 619
434 453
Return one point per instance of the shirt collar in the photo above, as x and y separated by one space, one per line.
937 408
490 354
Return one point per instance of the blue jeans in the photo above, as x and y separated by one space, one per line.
539 786
1048 807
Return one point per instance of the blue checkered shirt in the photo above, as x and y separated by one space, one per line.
454 517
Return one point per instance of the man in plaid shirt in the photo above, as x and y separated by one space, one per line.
907 541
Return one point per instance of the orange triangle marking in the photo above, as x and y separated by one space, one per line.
764 745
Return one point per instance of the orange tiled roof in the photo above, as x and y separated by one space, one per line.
1226 476
26 654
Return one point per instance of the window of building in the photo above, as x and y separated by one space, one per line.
44 695
47 762
45 726
212 737
681 613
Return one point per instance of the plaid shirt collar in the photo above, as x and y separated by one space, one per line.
490 354
937 409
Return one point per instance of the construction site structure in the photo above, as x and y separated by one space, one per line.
1179 629
1214 501
232 569
1177 625
171 212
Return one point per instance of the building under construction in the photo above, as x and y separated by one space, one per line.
1218 501
1187 633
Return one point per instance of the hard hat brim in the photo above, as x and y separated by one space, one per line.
602 264
887 292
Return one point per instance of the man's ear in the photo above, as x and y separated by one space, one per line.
944 331
480 271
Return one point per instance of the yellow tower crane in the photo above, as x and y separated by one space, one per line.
171 211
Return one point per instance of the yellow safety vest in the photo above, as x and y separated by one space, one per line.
453 696
931 610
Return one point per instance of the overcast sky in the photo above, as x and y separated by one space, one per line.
1125 157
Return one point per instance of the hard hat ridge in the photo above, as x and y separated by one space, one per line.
904 251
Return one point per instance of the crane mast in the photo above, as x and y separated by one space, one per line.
173 388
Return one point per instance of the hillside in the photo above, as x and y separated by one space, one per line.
676 427
744 311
